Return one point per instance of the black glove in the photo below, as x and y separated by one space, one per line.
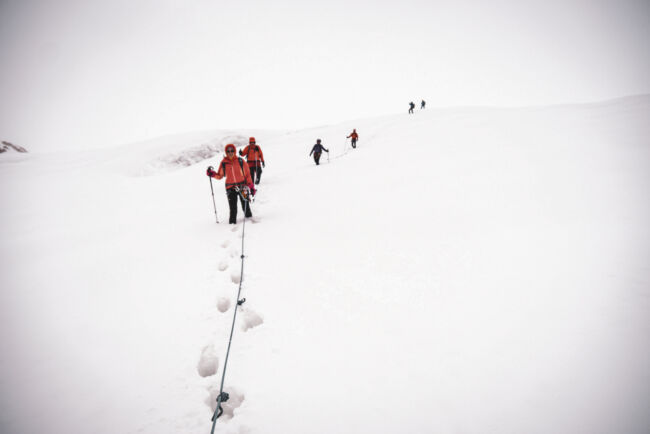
263 165
240 153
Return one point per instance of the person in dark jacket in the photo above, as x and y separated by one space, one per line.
422 104
411 107
317 150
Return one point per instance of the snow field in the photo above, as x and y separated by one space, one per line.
467 270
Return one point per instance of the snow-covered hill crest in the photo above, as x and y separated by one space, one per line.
167 154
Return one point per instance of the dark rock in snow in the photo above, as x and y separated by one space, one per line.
6 146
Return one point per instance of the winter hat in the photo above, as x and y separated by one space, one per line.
230 146
317 140
251 140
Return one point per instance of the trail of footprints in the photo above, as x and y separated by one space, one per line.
208 365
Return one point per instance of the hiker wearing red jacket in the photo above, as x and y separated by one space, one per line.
238 182
354 137
255 159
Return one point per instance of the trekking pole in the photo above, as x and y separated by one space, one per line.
213 202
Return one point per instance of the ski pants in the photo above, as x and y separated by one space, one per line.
354 143
256 172
232 203
317 157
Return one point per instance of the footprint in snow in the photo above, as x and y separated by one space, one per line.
223 304
223 264
209 362
235 399
225 243
251 319
235 275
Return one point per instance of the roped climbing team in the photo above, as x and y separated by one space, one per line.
242 182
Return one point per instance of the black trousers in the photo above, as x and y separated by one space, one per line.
232 203
354 143
317 157
256 173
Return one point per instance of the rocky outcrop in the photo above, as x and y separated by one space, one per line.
6 146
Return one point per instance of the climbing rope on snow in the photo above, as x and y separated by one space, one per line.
223 396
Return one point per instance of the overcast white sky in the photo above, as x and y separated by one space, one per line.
88 73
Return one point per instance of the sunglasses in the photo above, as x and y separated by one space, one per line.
230 151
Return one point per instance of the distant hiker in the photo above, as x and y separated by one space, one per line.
422 104
255 159
238 182
354 136
411 107
317 150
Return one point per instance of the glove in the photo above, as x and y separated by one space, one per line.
263 165
251 187
210 172
240 153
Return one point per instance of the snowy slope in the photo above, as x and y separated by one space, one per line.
467 270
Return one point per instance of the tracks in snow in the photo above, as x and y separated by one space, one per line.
210 365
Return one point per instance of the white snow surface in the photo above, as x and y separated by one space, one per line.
468 270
